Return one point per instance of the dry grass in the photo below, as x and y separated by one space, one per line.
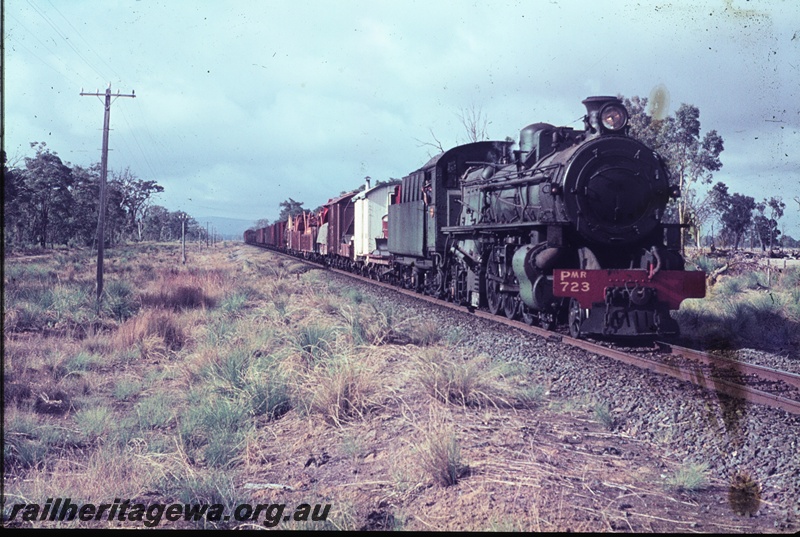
185 290
744 311
439 453
153 333
473 381
340 389
231 383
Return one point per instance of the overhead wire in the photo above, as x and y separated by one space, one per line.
64 73
109 67
68 32
138 145
99 70
65 38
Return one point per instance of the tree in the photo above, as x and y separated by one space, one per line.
16 197
474 122
436 144
117 220
787 241
156 222
85 193
690 159
289 208
766 228
698 213
48 180
136 194
735 212
49 201
259 224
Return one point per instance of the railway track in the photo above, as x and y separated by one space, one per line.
750 382
761 384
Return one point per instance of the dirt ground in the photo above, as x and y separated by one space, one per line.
551 468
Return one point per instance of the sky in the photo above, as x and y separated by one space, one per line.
242 104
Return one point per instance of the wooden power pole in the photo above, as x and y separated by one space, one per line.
183 237
101 219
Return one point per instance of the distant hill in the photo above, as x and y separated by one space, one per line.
228 228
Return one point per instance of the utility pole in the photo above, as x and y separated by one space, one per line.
183 237
207 239
101 219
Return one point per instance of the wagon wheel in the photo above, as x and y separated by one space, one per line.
494 297
442 282
417 278
405 279
576 318
436 286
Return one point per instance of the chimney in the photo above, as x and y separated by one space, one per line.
368 179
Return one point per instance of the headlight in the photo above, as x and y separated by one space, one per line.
613 117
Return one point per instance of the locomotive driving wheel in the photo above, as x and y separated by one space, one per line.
494 297
576 318
512 303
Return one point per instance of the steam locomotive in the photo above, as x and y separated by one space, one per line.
565 229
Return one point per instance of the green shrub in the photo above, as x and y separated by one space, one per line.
71 305
315 341
268 394
216 425
83 361
469 382
23 447
707 264
354 295
235 302
95 421
424 333
691 477
119 300
229 369
602 412
728 287
342 390
126 389
440 455
156 411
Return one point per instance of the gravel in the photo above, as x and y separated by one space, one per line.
696 426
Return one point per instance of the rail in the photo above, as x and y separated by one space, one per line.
692 371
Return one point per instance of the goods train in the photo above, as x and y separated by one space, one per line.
566 229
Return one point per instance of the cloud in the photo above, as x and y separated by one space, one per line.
243 104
